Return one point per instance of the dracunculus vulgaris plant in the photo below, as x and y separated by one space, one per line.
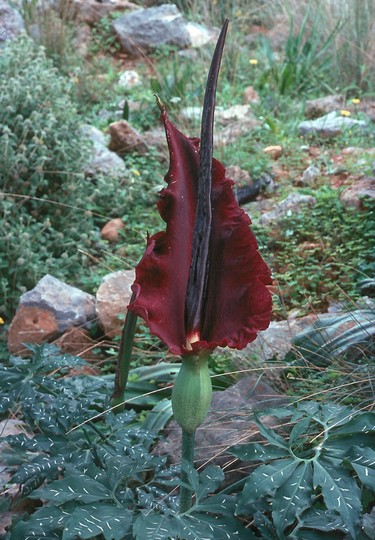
202 282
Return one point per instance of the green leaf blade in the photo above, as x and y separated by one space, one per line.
293 497
340 492
363 462
86 523
265 479
73 488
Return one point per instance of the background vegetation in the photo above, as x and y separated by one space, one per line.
51 216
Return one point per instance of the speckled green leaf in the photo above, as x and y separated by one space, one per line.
86 523
363 462
293 497
188 527
340 492
266 479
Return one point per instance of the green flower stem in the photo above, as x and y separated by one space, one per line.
186 493
191 398
123 362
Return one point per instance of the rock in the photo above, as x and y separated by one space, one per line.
11 22
228 422
156 137
92 11
237 174
111 230
82 39
330 125
231 122
70 305
146 29
200 35
125 139
223 115
321 106
250 96
354 195
47 311
273 343
77 342
344 335
310 174
31 325
129 79
291 205
102 160
112 298
230 133
274 152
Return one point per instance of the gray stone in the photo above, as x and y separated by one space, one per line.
324 105
237 174
146 29
102 160
200 35
69 305
231 122
125 138
233 131
129 79
112 299
330 125
92 11
310 174
289 206
273 343
223 115
11 22
354 195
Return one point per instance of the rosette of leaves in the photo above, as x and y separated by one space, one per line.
91 472
316 482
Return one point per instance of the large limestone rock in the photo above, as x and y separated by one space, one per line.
223 115
231 122
102 160
146 29
47 311
31 325
293 204
92 11
355 194
11 22
330 125
112 298
324 105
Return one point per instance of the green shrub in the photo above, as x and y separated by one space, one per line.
41 159
322 253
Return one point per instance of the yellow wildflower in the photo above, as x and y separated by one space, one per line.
2 320
345 113
253 61
355 101
136 172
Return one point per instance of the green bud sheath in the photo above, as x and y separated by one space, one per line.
192 392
